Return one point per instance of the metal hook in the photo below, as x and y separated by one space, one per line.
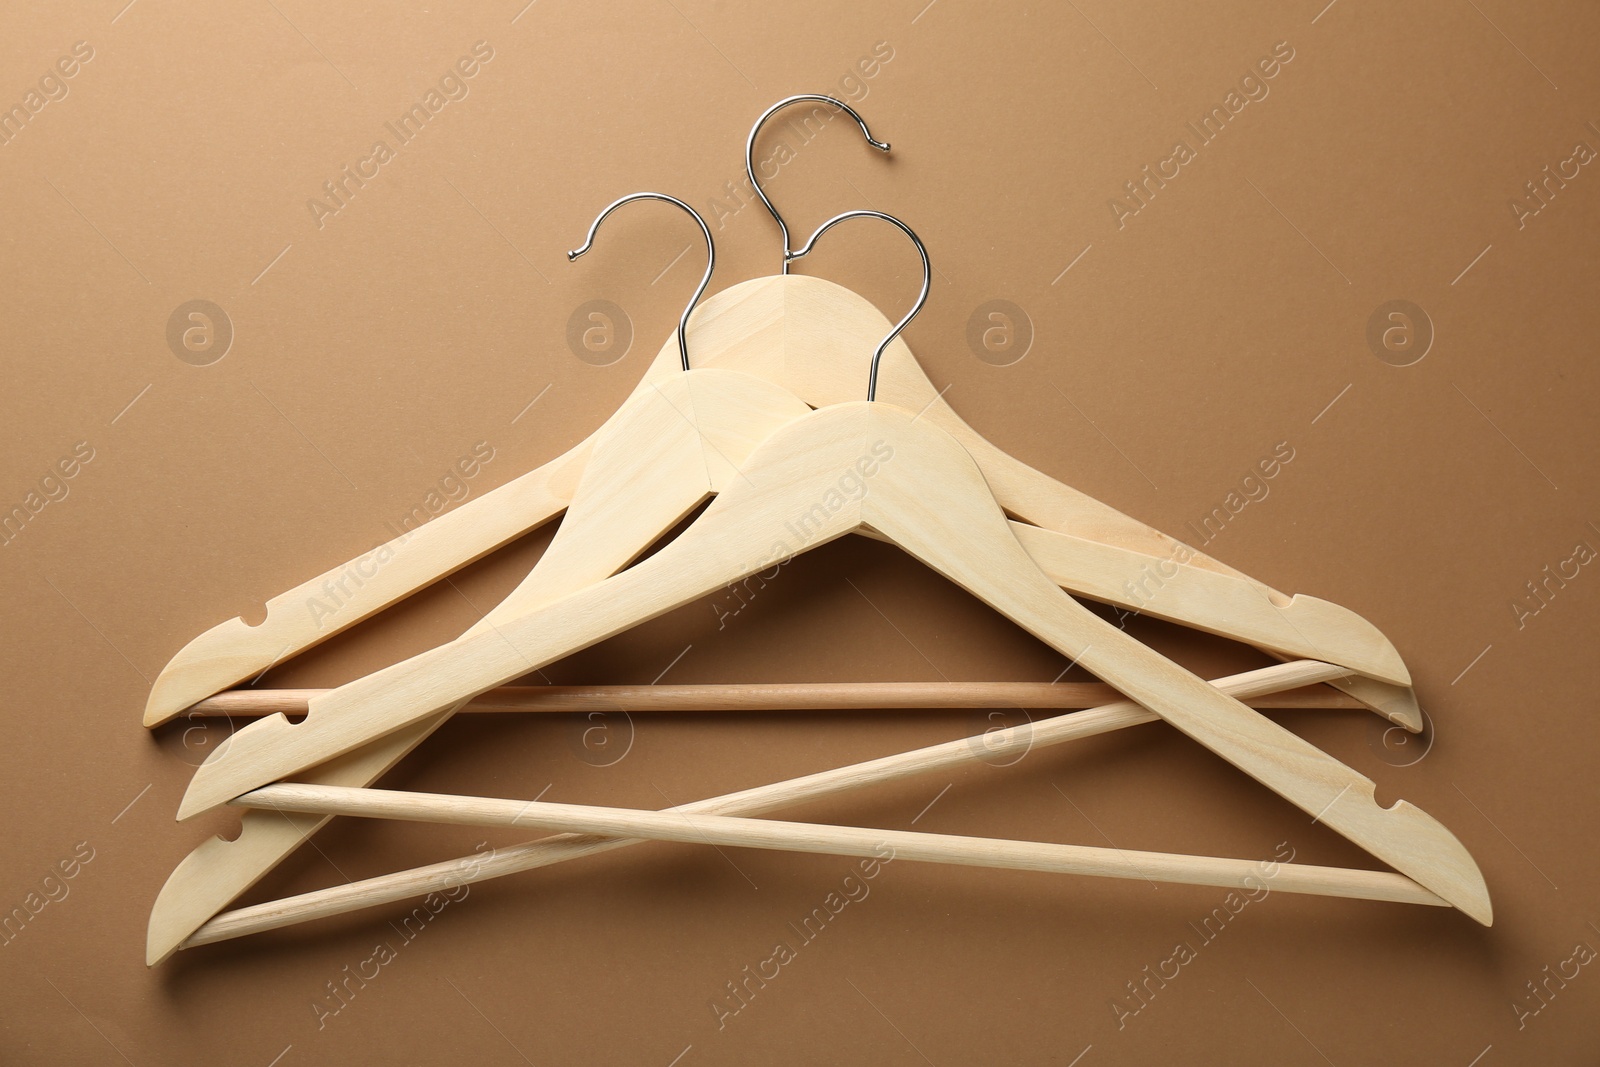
711 257
750 153
922 297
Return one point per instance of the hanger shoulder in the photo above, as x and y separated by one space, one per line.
1230 605
1220 603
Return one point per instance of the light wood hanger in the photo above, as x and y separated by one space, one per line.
1244 603
807 334
930 498
187 921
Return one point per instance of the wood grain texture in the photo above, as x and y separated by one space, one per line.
757 696
930 498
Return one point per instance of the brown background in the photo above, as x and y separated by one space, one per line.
1229 315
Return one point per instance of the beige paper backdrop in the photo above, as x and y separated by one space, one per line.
1167 318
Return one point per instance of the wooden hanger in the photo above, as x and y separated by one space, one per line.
265 841
620 509
807 334
924 492
200 890
598 536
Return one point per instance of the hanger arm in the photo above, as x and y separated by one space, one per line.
1211 601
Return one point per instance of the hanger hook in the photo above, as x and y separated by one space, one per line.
922 297
711 257
750 153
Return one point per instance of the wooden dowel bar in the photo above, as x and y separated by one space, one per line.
419 881
763 696
685 828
